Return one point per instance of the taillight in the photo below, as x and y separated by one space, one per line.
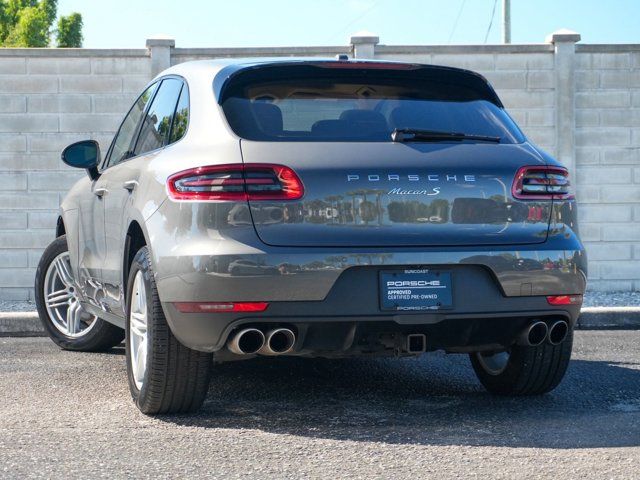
541 183
565 300
236 182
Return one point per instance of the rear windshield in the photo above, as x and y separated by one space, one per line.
360 105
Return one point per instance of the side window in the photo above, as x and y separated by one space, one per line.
156 125
122 144
181 118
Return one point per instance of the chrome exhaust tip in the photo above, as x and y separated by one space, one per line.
558 332
278 341
246 342
534 334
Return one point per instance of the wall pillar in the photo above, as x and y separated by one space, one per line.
160 53
564 42
363 45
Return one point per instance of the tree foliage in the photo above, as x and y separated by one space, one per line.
29 23
70 31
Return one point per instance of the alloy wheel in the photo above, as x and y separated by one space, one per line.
62 302
494 363
138 330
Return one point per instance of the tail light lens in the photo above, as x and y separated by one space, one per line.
236 182
542 183
565 300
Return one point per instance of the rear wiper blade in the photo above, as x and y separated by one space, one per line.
416 135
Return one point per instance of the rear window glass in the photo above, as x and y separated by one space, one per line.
326 104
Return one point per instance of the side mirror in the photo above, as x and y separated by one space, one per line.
85 154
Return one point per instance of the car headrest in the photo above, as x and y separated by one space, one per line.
433 116
367 120
268 117
329 128
406 117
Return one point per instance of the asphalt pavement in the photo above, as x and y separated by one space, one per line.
69 415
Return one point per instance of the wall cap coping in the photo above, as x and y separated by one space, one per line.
160 42
461 49
563 35
73 52
318 50
607 47
364 37
260 51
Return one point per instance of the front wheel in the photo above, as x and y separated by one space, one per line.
523 370
59 308
164 375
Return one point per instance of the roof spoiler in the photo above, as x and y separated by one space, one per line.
228 75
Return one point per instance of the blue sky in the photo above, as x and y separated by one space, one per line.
215 23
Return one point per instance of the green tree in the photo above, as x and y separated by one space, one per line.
28 23
70 31
31 29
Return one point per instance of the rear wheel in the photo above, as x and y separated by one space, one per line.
164 375
59 307
523 370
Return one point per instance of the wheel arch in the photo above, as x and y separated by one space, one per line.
135 239
60 228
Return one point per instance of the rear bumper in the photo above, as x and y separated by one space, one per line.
482 316
280 274
353 335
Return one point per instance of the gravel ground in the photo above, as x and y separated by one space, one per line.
14 306
612 299
70 415
591 299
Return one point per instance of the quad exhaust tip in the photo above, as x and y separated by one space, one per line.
246 341
249 341
534 334
558 332
278 342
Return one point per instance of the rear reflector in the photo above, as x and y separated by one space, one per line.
209 307
541 183
236 182
565 300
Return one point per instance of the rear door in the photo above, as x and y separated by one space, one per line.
92 241
123 180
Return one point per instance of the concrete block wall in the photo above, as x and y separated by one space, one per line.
608 162
579 102
49 99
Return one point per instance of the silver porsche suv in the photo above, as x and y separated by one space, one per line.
316 208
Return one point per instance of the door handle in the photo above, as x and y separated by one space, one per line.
130 185
100 192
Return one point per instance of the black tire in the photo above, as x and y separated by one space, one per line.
529 370
102 336
176 378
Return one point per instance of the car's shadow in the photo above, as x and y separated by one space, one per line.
434 400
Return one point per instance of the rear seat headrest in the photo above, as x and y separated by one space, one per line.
367 119
268 117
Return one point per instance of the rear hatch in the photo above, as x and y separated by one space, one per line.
335 124
386 194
